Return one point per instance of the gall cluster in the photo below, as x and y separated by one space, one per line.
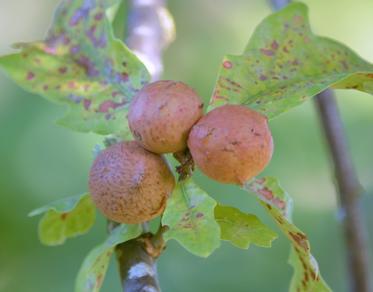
130 181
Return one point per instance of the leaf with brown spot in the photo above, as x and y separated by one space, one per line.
92 272
80 65
284 64
278 203
65 218
190 217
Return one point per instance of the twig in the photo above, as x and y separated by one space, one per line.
348 185
138 271
137 262
349 190
186 167
150 30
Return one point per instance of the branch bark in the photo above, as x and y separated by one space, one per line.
137 262
138 271
349 188
150 31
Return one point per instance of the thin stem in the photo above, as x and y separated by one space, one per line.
349 188
150 30
349 192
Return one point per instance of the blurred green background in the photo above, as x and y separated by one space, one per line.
41 162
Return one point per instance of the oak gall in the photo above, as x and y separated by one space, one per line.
162 114
130 184
231 144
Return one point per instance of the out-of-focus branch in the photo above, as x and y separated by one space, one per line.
278 4
349 193
348 185
150 30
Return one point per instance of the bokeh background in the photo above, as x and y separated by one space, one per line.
41 162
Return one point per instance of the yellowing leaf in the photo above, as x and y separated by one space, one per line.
277 202
190 217
65 218
81 65
284 64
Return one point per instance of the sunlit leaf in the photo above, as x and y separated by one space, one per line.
242 229
81 65
190 218
284 64
277 202
92 272
65 218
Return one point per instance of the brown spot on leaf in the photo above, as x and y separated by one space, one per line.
227 64
295 62
220 97
344 64
99 16
300 239
304 284
263 77
279 220
306 277
274 45
30 75
298 19
62 70
86 103
64 216
266 193
71 85
313 275
99 280
267 52
124 76
74 49
106 105
88 66
279 203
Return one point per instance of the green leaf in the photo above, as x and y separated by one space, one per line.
92 272
190 217
65 218
284 64
242 229
81 65
278 203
